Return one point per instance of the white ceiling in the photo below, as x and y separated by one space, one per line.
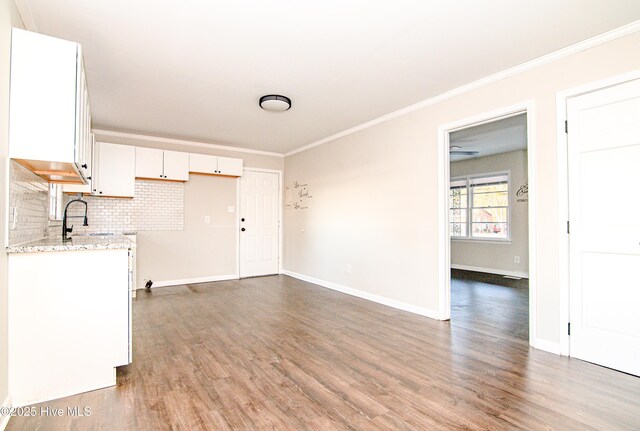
195 69
497 137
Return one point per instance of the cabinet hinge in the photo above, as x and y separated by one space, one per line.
566 126
568 227
569 328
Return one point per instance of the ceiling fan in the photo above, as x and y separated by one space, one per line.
455 150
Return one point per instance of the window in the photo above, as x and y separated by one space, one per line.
55 201
479 207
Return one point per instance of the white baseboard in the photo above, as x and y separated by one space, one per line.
4 420
211 278
365 295
491 270
547 346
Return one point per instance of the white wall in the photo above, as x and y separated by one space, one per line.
199 250
375 194
497 257
8 17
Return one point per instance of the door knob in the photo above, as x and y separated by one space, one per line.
243 229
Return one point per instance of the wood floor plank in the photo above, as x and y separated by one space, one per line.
276 353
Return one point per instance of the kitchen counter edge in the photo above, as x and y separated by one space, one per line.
109 242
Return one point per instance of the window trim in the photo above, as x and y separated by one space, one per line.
57 216
468 237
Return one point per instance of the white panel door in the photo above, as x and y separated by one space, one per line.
149 163
259 221
604 210
176 165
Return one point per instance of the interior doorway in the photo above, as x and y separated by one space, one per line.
488 281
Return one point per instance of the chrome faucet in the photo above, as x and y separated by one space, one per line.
65 229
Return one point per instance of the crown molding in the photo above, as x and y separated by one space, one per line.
150 138
545 59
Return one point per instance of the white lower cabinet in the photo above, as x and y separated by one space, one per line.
68 322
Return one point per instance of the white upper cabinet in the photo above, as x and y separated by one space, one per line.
115 170
176 165
50 118
230 166
205 164
202 163
84 188
162 164
149 163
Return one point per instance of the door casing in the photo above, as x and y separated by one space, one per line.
444 244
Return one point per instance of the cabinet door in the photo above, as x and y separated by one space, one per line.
88 138
202 163
91 186
117 170
176 165
95 174
43 98
148 163
229 166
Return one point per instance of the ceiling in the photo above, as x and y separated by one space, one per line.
195 69
497 137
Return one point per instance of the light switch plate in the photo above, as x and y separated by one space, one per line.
207 219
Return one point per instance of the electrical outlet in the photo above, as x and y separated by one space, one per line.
207 219
516 259
348 268
127 219
231 209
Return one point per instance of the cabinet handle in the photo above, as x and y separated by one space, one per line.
100 192
243 229
160 176
88 178
85 166
242 219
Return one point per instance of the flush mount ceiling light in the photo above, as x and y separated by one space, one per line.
275 103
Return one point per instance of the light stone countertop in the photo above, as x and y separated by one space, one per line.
80 242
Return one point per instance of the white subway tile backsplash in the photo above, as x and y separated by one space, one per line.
157 206
29 195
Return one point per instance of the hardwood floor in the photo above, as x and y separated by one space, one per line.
278 353
490 304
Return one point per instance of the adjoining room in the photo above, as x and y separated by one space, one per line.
489 226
